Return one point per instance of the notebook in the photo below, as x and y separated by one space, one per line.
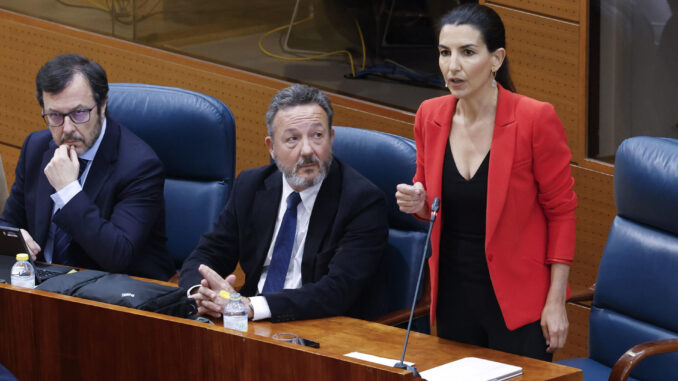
472 369
12 243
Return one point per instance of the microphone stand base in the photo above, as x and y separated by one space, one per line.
413 369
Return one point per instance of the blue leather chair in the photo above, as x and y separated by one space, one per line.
635 303
388 160
194 136
6 375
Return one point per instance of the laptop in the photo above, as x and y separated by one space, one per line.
11 244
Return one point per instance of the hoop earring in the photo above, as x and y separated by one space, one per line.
494 78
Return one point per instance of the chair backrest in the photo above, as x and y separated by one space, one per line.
194 136
388 160
636 296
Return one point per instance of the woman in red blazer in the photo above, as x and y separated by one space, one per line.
500 164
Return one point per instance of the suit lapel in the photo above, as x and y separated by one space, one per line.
44 203
262 221
322 217
437 140
501 159
106 155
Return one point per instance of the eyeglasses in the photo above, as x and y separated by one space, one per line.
79 116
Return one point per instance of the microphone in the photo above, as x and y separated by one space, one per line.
401 364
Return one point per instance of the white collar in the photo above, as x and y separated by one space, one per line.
308 195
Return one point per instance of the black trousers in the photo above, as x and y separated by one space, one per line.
468 312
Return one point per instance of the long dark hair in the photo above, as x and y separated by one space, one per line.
491 29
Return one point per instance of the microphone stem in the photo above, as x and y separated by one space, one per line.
416 290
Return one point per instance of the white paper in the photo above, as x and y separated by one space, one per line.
472 369
375 359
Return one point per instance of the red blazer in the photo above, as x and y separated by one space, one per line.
530 202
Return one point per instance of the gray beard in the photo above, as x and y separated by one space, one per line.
299 182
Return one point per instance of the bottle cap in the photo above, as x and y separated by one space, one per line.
235 296
224 294
22 257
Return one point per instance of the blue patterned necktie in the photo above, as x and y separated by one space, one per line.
282 251
62 240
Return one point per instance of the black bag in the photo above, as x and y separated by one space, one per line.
122 290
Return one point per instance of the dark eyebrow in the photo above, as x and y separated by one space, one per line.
79 107
441 46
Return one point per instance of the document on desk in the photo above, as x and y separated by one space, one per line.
375 359
472 369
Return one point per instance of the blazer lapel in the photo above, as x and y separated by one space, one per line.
262 221
44 203
102 165
437 141
322 217
501 159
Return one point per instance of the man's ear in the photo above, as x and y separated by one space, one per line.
269 144
102 108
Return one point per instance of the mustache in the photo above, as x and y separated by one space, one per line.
72 136
313 159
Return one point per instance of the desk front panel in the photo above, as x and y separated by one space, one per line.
49 336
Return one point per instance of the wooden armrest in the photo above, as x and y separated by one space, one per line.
174 278
623 367
582 294
403 315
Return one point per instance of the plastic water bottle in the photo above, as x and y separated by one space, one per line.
23 274
235 312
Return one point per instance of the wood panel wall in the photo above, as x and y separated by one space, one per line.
544 64
547 47
26 43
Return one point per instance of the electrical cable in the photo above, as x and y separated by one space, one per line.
110 5
362 42
350 56
392 71
96 7
388 60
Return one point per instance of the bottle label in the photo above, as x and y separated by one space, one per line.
27 282
238 323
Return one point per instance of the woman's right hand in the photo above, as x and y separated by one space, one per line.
411 198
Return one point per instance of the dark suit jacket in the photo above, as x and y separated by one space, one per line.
345 241
530 221
117 223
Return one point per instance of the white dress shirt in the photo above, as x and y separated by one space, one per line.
293 278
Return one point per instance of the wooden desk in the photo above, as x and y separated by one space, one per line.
50 336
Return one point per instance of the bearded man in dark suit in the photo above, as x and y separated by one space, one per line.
308 230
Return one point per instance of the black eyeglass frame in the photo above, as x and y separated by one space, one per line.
70 115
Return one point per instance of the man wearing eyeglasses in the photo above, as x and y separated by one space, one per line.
88 192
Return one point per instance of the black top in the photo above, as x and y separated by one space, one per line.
464 205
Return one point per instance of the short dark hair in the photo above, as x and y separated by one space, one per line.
491 29
297 95
55 75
